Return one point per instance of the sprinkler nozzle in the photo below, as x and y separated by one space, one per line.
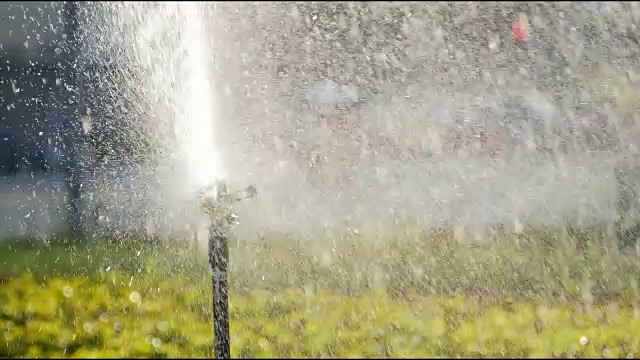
216 200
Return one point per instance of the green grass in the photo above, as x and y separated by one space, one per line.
115 316
61 257
536 293
555 263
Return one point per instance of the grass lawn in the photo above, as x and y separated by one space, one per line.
536 294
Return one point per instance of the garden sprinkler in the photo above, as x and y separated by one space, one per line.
217 201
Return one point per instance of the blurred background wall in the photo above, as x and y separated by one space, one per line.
430 64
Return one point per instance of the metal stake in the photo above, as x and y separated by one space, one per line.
216 200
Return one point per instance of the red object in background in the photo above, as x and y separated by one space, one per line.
520 28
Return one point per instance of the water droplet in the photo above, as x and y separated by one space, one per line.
118 327
135 297
584 341
163 326
15 87
88 327
67 291
156 342
104 317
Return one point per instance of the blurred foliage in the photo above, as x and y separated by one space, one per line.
113 315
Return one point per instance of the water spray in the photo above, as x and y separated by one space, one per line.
217 201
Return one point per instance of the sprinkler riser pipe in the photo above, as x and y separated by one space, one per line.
219 260
216 201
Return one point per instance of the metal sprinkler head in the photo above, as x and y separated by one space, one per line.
216 200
